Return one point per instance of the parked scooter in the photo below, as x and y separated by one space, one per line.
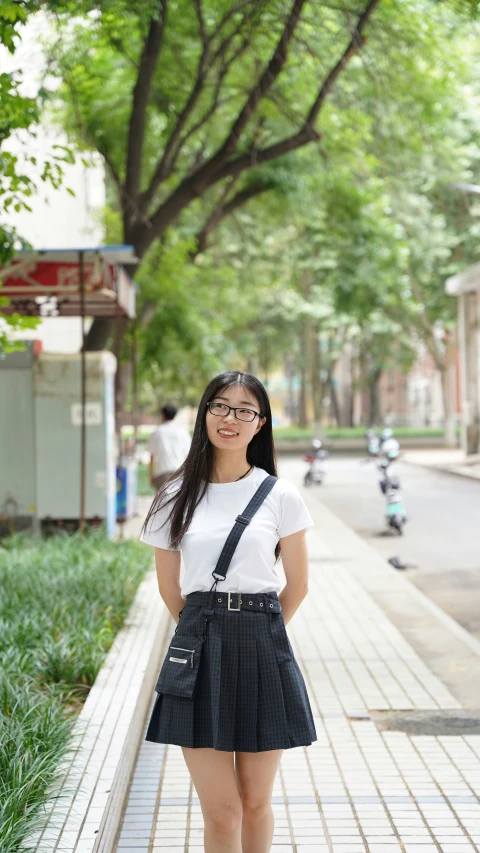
390 486
317 460
385 449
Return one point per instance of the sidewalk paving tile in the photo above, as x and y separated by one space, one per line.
357 789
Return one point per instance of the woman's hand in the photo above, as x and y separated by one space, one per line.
168 574
295 565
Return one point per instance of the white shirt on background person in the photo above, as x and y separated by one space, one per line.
169 445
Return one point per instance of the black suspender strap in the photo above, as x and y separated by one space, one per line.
241 522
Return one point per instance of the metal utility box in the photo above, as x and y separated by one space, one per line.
17 456
40 433
58 414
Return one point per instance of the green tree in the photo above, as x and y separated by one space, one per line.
18 114
186 100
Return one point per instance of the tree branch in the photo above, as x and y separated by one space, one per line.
141 93
89 138
223 210
424 325
163 169
307 132
356 43
270 74
201 23
176 141
219 167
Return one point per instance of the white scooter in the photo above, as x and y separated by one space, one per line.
385 449
317 460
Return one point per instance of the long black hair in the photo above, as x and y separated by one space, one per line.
196 472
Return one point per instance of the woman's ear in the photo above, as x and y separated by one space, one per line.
260 425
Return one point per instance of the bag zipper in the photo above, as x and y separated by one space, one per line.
191 652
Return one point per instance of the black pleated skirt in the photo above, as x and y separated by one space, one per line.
249 693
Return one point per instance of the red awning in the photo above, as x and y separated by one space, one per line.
48 281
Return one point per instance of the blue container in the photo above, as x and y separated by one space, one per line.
126 489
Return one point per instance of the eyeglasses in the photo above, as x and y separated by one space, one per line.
221 410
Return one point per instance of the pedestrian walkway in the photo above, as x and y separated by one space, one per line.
359 788
448 459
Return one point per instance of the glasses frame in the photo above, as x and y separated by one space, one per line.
233 409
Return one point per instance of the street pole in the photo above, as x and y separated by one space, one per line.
83 396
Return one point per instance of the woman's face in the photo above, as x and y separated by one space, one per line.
228 432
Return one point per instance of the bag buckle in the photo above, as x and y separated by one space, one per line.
242 519
239 601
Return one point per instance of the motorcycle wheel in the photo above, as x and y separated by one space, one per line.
306 480
398 525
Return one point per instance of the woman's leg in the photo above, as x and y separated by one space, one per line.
213 774
255 776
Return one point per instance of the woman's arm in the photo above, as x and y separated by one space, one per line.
168 574
295 565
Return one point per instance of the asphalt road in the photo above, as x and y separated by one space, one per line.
442 535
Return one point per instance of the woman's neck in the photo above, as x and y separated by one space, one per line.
228 467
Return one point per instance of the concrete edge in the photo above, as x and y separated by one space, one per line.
454 470
111 822
87 811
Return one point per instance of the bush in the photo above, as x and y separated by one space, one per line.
143 483
62 601
299 433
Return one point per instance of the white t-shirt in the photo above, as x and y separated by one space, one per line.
169 445
252 568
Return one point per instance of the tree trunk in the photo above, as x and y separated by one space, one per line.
448 378
374 414
305 368
304 376
291 399
334 400
317 385
302 408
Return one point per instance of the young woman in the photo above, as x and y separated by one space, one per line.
231 693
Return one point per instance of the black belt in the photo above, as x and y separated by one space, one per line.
258 602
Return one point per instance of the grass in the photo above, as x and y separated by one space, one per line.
143 483
299 433
62 601
305 433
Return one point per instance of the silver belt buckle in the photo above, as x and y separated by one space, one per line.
239 601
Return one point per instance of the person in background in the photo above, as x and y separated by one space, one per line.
168 446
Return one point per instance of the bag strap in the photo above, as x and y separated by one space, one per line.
241 522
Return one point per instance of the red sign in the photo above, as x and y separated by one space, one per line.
38 278
30 282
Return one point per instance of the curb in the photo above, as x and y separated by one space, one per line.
87 813
457 471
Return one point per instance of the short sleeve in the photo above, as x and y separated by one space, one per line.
151 443
157 531
294 515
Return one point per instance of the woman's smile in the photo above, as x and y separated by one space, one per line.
224 432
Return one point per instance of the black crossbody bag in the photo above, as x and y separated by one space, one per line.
178 675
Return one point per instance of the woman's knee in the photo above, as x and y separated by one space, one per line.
224 818
255 806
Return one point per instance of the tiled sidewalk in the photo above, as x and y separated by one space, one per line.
357 789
